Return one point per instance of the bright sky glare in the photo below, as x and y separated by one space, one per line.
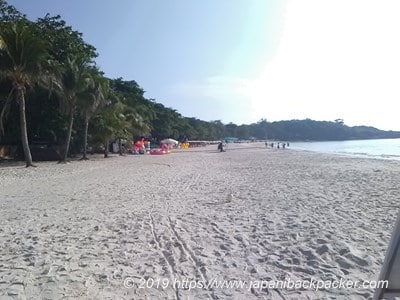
243 60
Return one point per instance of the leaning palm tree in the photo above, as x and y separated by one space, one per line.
22 59
74 82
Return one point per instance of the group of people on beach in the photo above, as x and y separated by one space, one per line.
278 145
221 145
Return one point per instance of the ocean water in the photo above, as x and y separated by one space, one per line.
380 148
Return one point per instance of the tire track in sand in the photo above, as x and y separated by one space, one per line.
189 253
171 268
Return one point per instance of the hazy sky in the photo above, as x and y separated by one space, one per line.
243 60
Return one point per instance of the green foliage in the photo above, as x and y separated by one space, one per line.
65 42
137 109
296 130
110 122
23 57
73 82
9 13
22 53
75 85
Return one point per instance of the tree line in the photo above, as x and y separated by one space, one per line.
52 91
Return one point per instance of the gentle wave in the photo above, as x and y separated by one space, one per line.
379 148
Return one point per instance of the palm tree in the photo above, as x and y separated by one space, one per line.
137 119
106 122
74 82
90 101
22 61
111 122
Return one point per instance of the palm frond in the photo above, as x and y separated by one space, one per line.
22 53
5 107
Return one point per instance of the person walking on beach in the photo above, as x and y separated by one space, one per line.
221 147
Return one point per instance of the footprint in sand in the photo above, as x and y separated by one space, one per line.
322 249
358 260
344 263
224 247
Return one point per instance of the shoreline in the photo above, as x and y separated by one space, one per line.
352 155
386 149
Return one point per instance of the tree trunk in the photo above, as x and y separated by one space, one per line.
71 123
24 131
105 148
85 137
120 146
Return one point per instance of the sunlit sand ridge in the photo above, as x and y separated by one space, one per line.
82 229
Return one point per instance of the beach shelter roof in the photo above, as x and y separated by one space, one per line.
391 267
169 141
229 138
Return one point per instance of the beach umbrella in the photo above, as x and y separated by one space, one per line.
169 142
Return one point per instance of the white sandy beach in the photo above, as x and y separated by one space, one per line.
77 231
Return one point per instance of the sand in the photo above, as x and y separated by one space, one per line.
83 229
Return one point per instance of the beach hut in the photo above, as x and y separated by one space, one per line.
391 267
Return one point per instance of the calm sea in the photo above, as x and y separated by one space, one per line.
382 148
